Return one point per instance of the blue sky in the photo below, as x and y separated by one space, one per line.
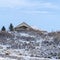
44 14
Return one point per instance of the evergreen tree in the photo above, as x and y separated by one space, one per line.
11 27
3 29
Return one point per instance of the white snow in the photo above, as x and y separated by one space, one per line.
27 35
40 47
1 58
28 58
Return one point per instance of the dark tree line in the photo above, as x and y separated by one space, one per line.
11 28
3 29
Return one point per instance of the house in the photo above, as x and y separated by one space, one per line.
23 26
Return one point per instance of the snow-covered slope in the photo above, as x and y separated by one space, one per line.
30 44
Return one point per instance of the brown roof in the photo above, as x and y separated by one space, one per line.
23 24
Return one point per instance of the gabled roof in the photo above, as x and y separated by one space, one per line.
23 24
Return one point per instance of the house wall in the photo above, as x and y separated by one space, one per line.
22 28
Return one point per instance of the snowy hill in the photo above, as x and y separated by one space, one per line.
31 43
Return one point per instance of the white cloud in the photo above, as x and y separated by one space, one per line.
11 3
26 3
28 6
49 5
35 12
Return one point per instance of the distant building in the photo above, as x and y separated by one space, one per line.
23 26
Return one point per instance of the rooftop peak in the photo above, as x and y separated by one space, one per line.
23 24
